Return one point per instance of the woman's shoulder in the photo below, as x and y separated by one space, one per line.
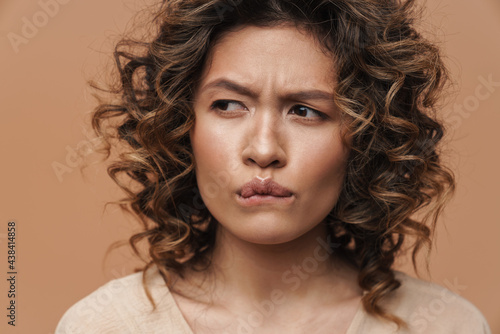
428 307
122 306
429 304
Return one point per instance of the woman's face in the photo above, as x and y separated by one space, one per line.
264 109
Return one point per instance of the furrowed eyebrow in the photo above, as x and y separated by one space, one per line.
313 94
230 85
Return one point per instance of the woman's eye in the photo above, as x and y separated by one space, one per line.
304 111
227 105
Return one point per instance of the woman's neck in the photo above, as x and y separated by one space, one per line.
305 270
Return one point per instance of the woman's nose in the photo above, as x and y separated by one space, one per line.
264 144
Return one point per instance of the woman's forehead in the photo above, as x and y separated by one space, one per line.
280 55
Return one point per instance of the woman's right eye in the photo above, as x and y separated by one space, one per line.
227 105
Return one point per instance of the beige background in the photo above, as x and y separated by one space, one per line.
63 229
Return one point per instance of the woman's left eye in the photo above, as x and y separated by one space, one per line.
303 110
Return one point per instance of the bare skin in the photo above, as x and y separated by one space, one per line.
258 114
321 301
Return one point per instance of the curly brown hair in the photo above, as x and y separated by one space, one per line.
389 82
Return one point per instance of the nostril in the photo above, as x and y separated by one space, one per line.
264 155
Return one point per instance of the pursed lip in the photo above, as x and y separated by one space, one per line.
267 186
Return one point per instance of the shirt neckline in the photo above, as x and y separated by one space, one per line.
356 320
175 308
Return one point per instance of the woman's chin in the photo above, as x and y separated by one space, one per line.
265 233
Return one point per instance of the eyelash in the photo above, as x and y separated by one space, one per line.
321 115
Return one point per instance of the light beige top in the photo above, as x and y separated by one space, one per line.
121 306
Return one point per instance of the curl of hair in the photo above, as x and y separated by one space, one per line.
389 81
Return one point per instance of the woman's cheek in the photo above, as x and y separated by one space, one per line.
215 164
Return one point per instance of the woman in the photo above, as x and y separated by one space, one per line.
278 150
